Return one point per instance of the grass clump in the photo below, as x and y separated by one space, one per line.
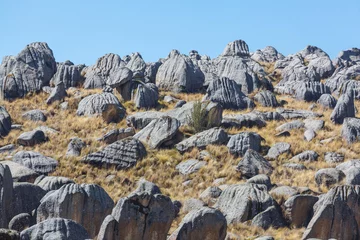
199 118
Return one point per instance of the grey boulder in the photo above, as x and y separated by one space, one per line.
144 214
105 104
266 99
26 197
6 195
351 169
36 161
49 183
69 74
21 221
271 217
55 228
146 96
190 166
344 108
178 73
328 176
228 93
242 202
306 156
200 140
241 142
57 94
117 134
86 204
327 101
268 54
75 146
277 149
31 138
253 164
5 122
27 72
299 209
122 154
350 130
35 115
204 223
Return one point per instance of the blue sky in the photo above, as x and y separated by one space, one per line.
82 31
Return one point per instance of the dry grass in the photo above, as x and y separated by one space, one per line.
159 165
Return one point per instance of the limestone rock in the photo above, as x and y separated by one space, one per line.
253 164
5 122
31 138
36 161
241 142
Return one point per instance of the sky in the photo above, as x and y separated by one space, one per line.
84 30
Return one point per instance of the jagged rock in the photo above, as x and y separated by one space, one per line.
34 115
213 113
178 74
55 228
266 99
103 70
204 223
20 173
243 120
242 202
306 156
277 149
351 169
344 108
57 94
136 64
295 114
8 234
296 124
75 146
228 93
347 58
47 130
86 204
206 65
328 176
180 103
236 48
202 139
294 166
105 104
351 130
261 179
21 221
151 71
309 135
341 76
234 63
146 96
268 54
336 215
27 72
122 154
241 142
210 195
284 192
253 164
271 217
26 198
68 73
190 166
36 161
327 101
6 194
299 209
144 214
117 134
333 157
31 138
311 91
313 124
7 148
49 183
5 122
159 132
192 204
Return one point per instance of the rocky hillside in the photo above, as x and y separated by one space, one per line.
242 146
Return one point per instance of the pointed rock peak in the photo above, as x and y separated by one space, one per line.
68 63
173 53
236 48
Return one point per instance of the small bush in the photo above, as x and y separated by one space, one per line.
199 119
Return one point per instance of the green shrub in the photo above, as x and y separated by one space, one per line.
199 119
